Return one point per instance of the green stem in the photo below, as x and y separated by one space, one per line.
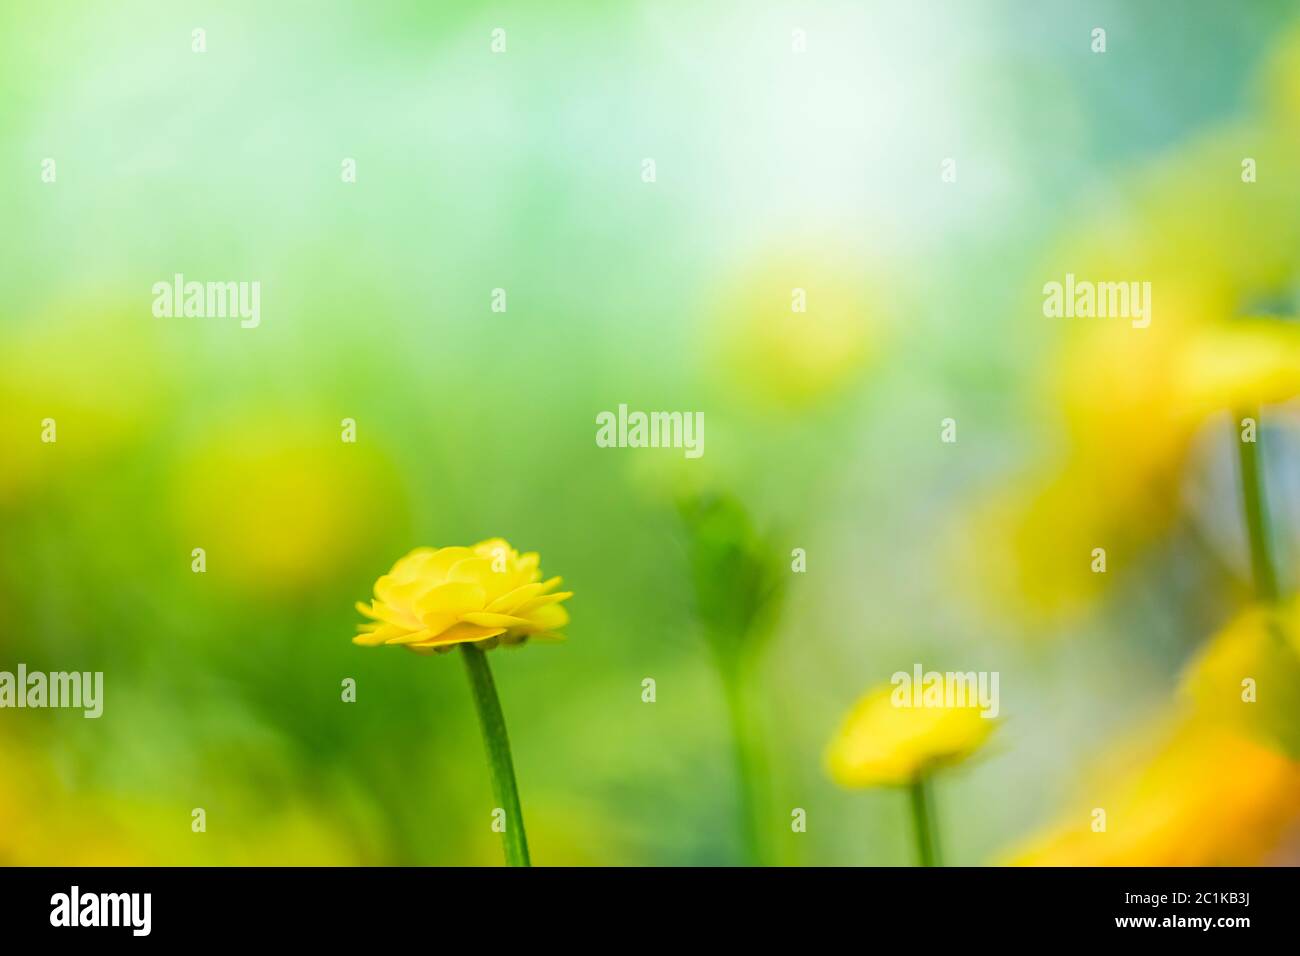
749 762
500 765
927 841
1254 502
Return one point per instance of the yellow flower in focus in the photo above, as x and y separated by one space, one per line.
436 598
882 743
1208 797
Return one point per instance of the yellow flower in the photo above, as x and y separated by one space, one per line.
1247 678
94 374
1126 406
1223 786
1131 416
882 743
1208 797
1122 408
279 510
436 598
48 820
794 330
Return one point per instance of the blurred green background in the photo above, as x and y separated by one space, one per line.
775 170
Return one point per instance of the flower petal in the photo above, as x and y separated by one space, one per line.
540 602
445 559
376 635
485 619
547 618
508 602
460 634
472 571
411 637
454 597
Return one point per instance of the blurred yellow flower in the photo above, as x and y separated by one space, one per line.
79 381
794 330
436 598
278 504
882 743
1131 415
1247 678
1223 786
1125 405
1122 407
1208 797
49 820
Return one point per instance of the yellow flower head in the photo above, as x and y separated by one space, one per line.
792 331
1205 796
883 743
1125 406
305 504
1218 784
436 598
1247 677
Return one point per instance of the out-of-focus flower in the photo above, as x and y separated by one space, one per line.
883 744
44 823
1247 678
737 577
1208 797
793 330
436 598
1122 406
278 510
739 585
1131 413
1219 788
93 375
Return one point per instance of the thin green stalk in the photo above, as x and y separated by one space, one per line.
927 839
500 765
1254 500
749 762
